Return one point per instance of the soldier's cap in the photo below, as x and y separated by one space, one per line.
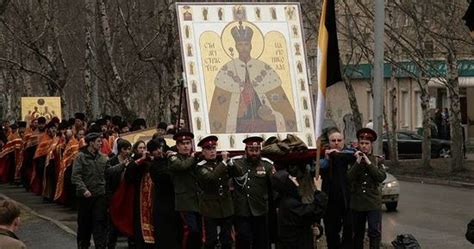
208 142
41 120
183 135
253 141
79 115
52 123
92 136
366 134
21 124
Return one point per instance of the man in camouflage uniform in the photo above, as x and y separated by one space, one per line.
251 196
182 166
365 177
216 205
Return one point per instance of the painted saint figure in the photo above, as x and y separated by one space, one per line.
248 96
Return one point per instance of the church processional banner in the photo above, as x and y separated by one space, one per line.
34 107
245 71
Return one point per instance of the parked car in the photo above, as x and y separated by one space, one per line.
390 192
410 143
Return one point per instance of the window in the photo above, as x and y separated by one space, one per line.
370 105
428 49
419 111
405 109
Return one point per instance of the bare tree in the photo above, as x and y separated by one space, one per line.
33 30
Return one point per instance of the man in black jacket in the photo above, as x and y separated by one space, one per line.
334 168
113 175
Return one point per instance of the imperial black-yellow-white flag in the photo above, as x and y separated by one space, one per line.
328 60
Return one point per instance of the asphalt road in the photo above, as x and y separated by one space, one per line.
436 215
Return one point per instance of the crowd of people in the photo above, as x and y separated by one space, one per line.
173 197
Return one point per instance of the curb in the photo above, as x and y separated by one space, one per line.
435 181
31 211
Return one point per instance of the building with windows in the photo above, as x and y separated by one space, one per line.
408 96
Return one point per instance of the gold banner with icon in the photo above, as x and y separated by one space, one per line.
35 107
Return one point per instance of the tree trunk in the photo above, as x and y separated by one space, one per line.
90 81
118 84
425 105
392 134
457 156
357 117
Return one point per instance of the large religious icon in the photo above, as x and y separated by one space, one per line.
261 104
242 73
34 107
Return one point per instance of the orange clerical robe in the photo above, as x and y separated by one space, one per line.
8 156
25 171
70 152
39 160
50 168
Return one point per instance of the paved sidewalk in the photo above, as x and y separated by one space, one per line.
39 233
45 225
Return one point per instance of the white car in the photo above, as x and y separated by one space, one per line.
390 192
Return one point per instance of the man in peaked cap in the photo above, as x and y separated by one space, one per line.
365 177
88 174
251 195
182 166
216 205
